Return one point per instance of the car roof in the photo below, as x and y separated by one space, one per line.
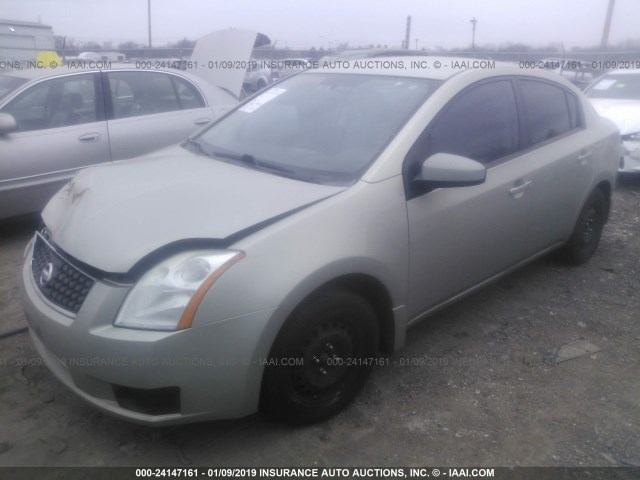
32 74
379 52
77 65
434 68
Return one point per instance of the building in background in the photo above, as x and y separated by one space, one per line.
21 41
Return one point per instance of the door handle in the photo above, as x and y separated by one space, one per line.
584 157
519 190
202 121
89 137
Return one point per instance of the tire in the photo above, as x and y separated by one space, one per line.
587 232
318 362
261 84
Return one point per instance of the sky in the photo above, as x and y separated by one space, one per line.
328 23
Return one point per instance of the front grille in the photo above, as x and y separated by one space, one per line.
59 282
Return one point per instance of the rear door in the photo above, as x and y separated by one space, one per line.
151 110
61 128
562 153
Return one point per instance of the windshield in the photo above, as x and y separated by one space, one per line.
318 127
624 87
9 84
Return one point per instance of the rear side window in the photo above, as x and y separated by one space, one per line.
481 123
575 115
145 93
188 95
546 111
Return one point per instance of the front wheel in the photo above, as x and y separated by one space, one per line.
321 358
587 232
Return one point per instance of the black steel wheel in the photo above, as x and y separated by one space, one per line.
586 234
321 358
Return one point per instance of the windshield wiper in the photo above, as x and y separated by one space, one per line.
245 158
194 145
251 160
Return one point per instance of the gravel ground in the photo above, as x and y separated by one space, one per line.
539 369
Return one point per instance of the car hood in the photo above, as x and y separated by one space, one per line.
112 216
221 58
624 113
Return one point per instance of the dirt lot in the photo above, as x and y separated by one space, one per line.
482 383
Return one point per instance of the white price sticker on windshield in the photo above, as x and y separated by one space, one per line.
604 84
262 99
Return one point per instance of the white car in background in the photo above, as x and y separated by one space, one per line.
257 76
54 122
616 96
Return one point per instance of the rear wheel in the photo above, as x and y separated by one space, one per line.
321 358
587 232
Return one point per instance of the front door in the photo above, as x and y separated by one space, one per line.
461 236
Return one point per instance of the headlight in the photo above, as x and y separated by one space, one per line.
168 295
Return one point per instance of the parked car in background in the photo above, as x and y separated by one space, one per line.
616 96
268 260
257 77
54 122
580 73
361 53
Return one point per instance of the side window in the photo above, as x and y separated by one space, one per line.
481 123
188 95
138 93
546 111
29 108
121 96
59 102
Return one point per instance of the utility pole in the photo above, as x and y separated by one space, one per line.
473 33
607 25
149 19
408 35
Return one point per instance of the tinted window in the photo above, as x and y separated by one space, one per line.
142 93
481 124
546 112
574 110
55 103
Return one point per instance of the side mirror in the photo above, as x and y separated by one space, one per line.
8 123
444 170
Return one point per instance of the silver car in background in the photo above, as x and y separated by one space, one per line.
616 96
56 121
269 261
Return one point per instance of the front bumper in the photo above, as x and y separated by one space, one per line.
206 373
